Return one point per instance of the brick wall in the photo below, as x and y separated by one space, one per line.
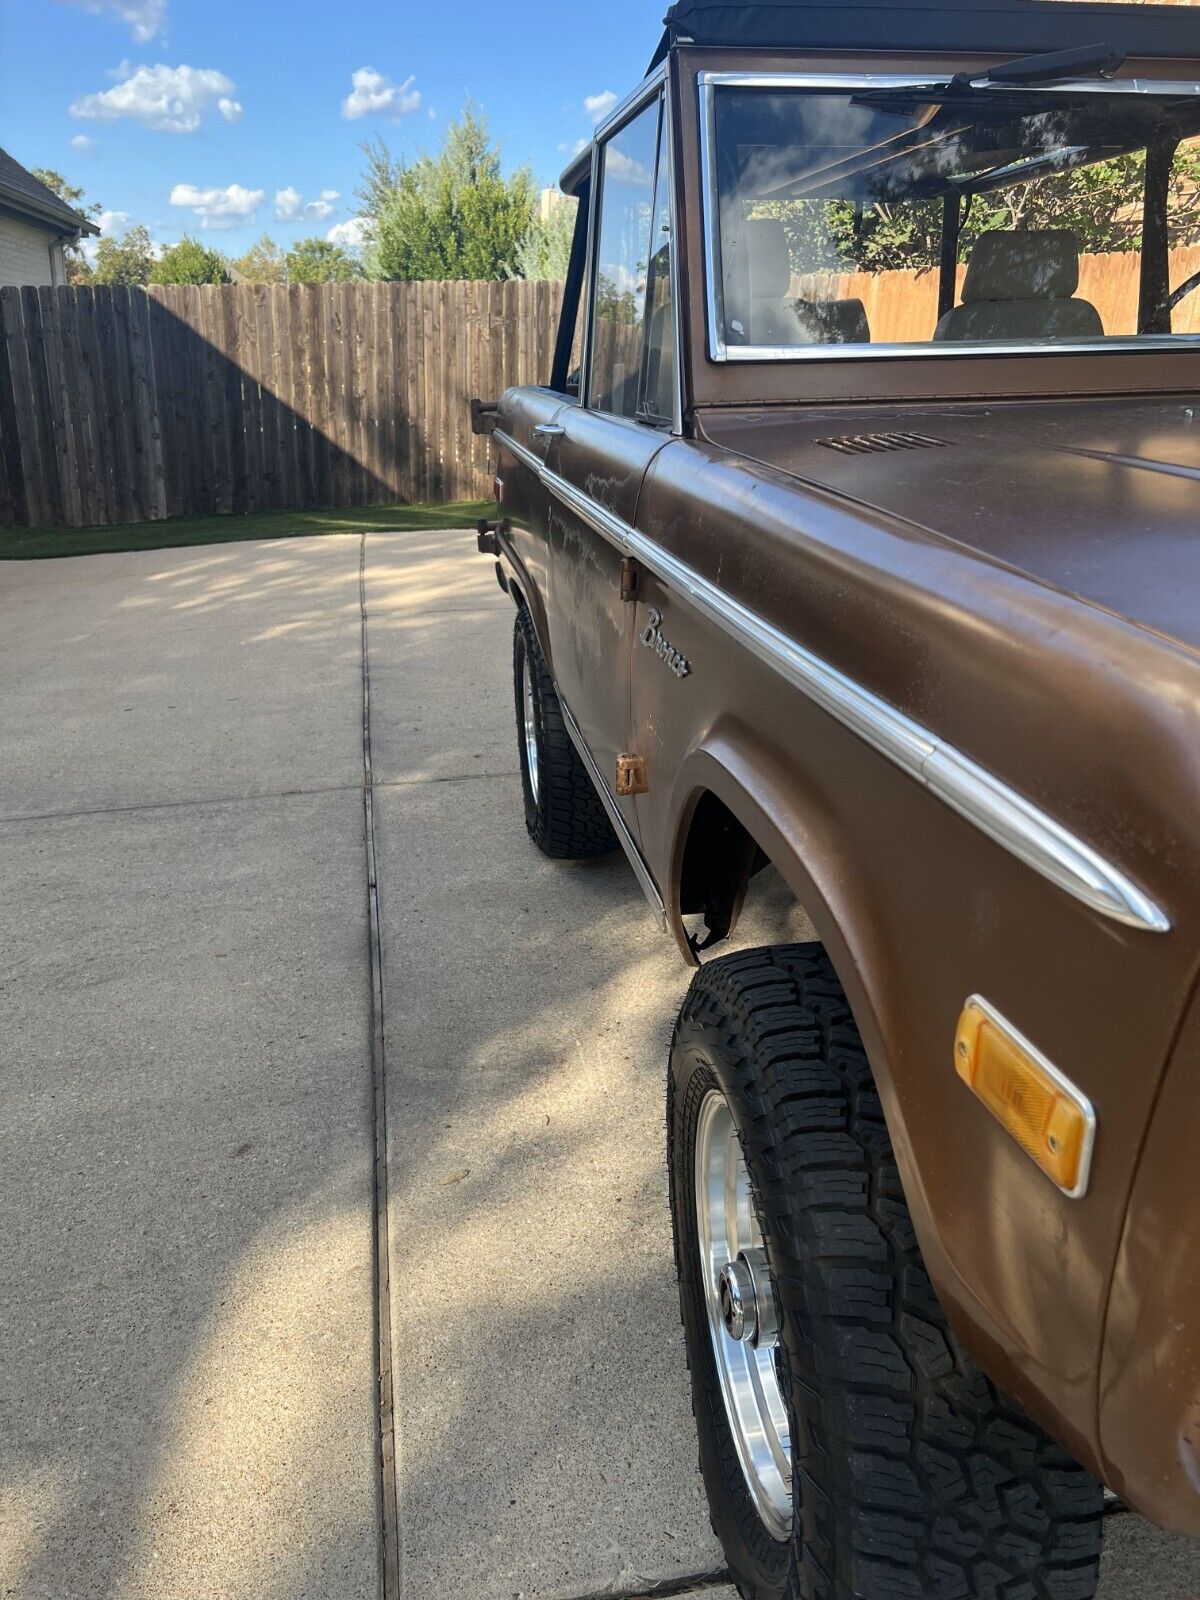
25 252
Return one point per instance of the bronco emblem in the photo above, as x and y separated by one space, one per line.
653 640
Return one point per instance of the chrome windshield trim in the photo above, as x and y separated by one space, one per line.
640 870
1005 816
720 351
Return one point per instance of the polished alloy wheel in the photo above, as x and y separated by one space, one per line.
741 1315
530 723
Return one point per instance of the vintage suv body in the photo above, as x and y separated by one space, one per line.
829 554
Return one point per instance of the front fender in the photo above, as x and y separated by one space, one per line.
802 835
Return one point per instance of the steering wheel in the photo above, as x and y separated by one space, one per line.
1187 287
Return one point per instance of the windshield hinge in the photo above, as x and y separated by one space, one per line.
631 578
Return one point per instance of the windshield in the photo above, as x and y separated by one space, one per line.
951 216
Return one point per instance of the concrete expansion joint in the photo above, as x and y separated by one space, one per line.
673 1589
388 1452
180 805
448 777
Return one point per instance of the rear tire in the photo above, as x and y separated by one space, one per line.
912 1477
563 813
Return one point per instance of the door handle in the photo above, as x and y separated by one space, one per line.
549 430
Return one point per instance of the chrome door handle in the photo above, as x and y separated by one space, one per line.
549 430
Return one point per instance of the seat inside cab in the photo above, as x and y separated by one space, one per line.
771 314
1022 286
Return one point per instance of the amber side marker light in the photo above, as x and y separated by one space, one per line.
1044 1112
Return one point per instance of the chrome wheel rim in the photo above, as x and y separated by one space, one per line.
729 1237
530 727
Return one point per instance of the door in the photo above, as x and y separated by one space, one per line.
527 416
603 447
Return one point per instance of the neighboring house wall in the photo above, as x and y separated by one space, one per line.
29 254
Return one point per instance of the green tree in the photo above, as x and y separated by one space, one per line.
264 262
1100 203
453 215
128 260
321 261
78 270
190 262
545 251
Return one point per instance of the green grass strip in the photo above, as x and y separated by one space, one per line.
33 544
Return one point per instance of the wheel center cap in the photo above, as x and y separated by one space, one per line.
747 1304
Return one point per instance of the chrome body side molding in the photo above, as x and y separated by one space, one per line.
628 843
1005 816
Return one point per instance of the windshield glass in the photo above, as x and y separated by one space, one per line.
952 216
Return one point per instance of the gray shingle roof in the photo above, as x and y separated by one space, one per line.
21 191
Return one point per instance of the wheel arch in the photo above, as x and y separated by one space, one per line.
798 831
526 596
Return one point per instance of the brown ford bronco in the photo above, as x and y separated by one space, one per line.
861 538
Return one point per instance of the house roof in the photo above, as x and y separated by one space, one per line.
21 191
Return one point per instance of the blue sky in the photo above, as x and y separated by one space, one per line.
228 118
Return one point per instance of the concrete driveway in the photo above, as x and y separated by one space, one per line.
190 1088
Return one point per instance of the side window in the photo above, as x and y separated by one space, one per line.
568 343
657 400
623 252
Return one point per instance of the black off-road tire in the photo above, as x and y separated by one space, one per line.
565 818
913 1477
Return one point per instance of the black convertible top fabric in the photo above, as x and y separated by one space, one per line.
1009 25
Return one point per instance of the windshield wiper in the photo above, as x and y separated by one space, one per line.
1050 66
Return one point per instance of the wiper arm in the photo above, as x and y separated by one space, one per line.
1050 66
1047 67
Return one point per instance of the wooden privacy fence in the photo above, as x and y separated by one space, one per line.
127 405
902 306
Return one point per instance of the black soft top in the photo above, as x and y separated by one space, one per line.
1011 26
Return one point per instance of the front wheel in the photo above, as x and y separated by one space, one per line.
851 1449
563 813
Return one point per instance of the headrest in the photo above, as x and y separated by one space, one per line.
1022 266
837 321
768 259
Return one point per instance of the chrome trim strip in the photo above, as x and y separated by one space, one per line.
1060 1080
640 870
719 350
1005 816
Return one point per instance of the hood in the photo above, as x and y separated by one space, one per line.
1099 498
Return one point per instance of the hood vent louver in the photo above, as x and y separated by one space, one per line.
872 444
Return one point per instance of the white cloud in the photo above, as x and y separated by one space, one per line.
374 94
598 106
83 142
169 99
290 206
350 235
219 208
626 170
145 17
109 221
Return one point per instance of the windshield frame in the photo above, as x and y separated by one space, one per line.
708 82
